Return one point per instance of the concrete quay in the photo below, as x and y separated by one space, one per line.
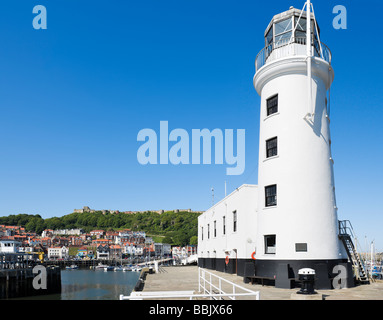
182 278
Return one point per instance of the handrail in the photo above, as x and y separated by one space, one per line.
206 286
345 228
173 295
261 58
202 281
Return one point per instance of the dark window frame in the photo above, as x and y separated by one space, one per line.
270 242
235 222
272 147
272 105
271 195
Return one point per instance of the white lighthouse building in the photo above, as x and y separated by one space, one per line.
297 223
289 221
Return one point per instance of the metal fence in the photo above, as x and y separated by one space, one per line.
215 286
211 286
288 47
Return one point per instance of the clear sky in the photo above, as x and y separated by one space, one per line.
74 96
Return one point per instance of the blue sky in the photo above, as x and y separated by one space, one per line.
73 98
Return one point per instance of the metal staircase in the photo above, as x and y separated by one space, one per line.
345 234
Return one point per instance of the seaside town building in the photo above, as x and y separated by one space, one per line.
58 253
97 244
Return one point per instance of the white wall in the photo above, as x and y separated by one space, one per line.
303 172
244 201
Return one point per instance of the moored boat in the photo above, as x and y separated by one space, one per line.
71 267
136 268
108 268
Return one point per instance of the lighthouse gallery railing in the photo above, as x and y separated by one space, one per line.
288 47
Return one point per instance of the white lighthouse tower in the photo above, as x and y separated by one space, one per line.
289 220
297 224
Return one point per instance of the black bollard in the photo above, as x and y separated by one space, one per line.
307 278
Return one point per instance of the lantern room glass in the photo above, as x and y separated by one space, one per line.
291 30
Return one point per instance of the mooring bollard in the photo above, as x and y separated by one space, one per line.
307 277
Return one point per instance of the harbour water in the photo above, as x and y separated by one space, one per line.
82 284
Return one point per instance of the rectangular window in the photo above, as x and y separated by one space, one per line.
301 247
283 32
235 220
269 42
282 39
283 26
215 229
272 105
201 233
271 147
301 24
208 231
224 224
270 244
271 195
269 37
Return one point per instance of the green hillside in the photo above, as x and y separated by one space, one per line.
176 228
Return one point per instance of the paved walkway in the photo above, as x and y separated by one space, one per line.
179 278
